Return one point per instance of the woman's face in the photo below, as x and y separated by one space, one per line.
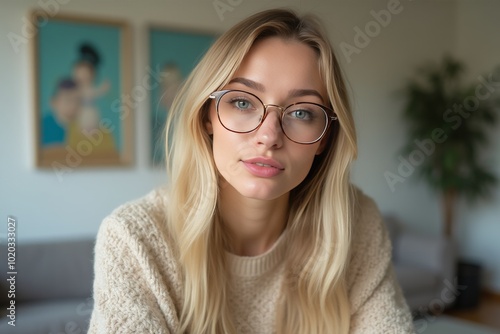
83 74
265 164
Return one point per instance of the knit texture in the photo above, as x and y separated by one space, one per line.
138 284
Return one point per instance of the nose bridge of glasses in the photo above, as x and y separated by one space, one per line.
266 113
275 106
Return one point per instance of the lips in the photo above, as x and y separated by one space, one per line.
264 162
263 167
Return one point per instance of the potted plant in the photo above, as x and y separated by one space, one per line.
438 103
456 119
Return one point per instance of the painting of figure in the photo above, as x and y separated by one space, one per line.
174 54
80 80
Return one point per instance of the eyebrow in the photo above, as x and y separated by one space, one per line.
305 92
249 83
260 87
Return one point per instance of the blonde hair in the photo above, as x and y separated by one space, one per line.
313 297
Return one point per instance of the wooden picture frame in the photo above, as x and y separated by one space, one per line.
82 73
173 54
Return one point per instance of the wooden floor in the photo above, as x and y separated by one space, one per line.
488 312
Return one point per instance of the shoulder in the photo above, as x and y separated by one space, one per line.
151 203
48 118
137 274
365 208
366 220
139 229
139 216
49 122
370 252
368 231
139 225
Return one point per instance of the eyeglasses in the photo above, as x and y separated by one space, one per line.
242 112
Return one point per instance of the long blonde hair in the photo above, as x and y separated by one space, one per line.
313 297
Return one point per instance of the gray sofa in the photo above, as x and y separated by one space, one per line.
54 280
53 287
425 266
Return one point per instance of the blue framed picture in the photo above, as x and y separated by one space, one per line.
81 75
173 55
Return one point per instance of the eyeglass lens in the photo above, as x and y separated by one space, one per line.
243 112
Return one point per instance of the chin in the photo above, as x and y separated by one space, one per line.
259 191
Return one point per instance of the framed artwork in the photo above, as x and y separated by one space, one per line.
173 55
81 73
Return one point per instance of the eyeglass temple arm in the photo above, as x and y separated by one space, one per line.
216 94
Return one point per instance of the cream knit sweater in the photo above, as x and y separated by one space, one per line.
138 286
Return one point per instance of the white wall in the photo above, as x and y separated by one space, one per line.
421 30
377 75
479 46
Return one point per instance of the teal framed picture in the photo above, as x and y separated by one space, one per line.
173 55
82 72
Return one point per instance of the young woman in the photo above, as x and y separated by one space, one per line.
259 230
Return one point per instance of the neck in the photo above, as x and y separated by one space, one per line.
252 225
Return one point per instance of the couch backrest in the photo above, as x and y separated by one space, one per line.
62 269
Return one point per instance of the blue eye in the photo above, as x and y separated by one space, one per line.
301 114
242 104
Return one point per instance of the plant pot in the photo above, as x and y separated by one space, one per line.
469 275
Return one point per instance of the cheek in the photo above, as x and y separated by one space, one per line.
223 145
303 160
229 149
220 147
225 155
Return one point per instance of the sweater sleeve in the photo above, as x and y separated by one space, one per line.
377 302
125 301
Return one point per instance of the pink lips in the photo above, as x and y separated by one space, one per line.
263 167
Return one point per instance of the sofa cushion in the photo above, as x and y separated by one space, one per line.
424 251
51 317
62 269
414 280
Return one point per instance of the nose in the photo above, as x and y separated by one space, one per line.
269 133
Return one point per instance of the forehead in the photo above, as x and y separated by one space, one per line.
67 91
84 65
282 65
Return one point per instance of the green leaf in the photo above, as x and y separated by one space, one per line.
454 165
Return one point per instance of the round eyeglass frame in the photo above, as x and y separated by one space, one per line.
217 95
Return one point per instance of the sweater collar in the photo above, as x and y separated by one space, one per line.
260 264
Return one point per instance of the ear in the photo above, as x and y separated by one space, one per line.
208 126
207 119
